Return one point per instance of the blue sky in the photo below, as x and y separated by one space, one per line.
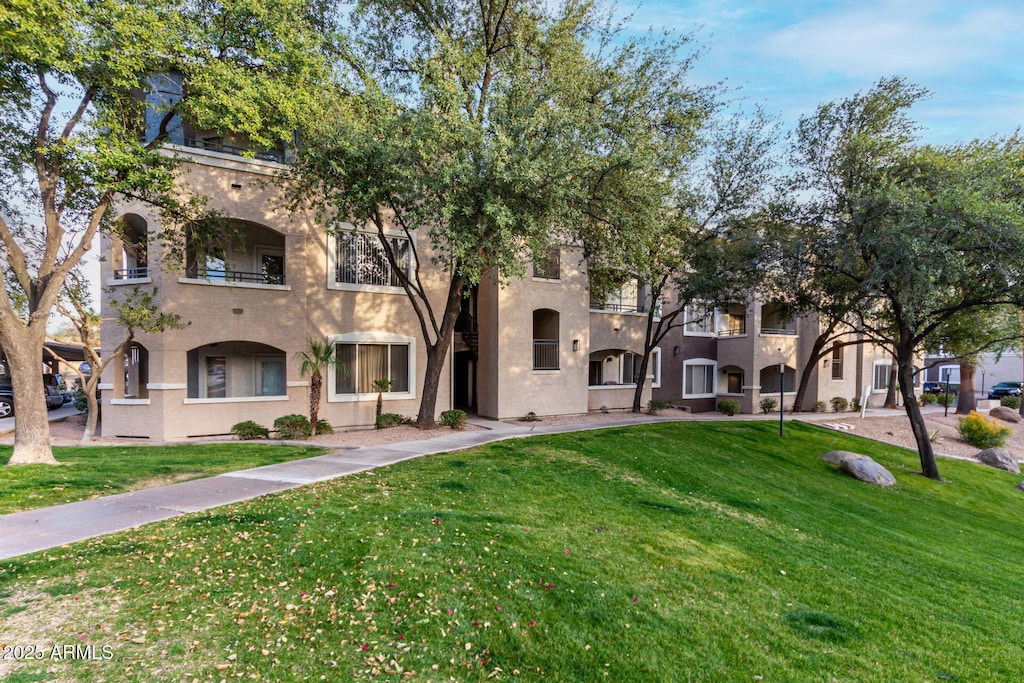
791 56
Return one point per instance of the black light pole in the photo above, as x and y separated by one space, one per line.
946 402
782 390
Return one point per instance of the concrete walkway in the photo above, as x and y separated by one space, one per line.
35 530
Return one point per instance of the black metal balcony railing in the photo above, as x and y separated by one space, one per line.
733 332
215 146
236 276
787 331
545 354
131 273
618 308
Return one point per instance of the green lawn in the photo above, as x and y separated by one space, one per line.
94 471
670 552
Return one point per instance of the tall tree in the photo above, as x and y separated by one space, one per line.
695 242
480 126
72 76
921 234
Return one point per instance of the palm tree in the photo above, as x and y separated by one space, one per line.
318 356
381 385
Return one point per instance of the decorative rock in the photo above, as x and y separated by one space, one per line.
1005 414
1000 458
1021 486
860 467
835 457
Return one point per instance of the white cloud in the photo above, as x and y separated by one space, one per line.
897 37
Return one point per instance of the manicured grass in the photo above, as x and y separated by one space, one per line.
95 471
671 552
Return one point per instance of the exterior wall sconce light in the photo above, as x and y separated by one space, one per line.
675 350
826 362
575 344
237 311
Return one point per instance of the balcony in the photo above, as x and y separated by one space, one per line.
216 144
264 278
131 273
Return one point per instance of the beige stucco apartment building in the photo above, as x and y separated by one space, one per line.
536 344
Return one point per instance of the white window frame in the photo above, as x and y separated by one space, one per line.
372 338
874 375
703 362
710 323
332 261
655 368
257 382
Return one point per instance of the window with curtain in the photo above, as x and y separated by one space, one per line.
699 379
360 365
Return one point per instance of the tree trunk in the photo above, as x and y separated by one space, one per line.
638 393
31 423
929 468
315 384
809 366
92 406
437 352
966 401
890 392
380 404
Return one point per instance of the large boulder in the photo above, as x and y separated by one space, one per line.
1000 458
860 467
1005 414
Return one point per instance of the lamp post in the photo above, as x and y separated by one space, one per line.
946 401
782 391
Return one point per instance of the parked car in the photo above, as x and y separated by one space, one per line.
6 398
1005 389
938 388
53 390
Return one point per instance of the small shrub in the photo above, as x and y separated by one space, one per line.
982 432
839 404
292 427
728 406
324 427
768 405
929 399
1010 402
530 417
945 399
819 407
604 409
388 420
656 406
249 430
456 419
855 404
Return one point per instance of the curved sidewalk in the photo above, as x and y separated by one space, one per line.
44 528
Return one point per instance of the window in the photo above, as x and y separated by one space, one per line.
655 367
880 376
624 299
837 360
735 322
360 365
699 379
777 319
545 339
631 368
271 266
270 376
136 372
700 320
360 259
547 266
216 377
